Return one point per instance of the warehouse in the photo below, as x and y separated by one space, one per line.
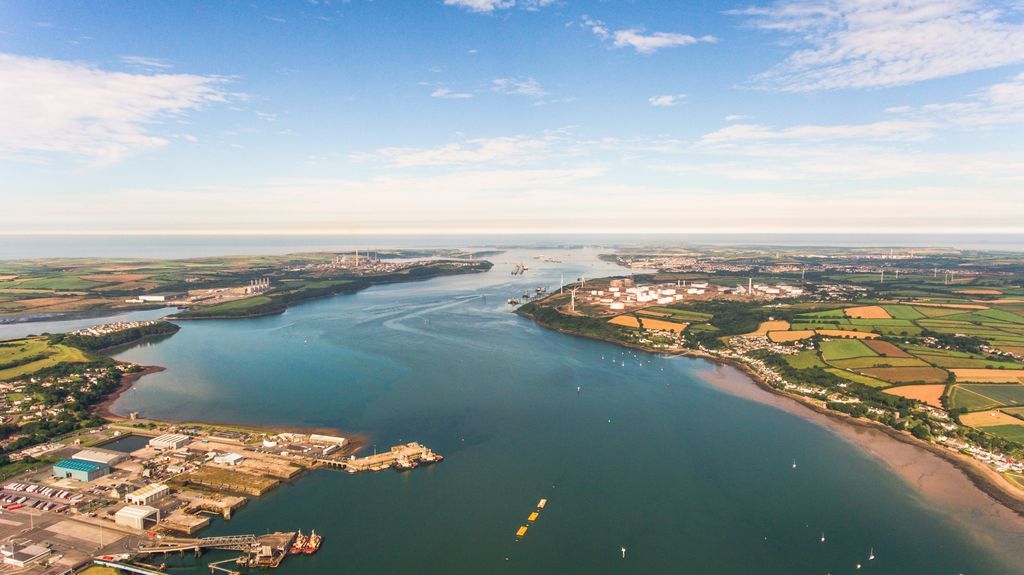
229 459
79 469
137 516
169 441
104 456
148 495
23 553
317 438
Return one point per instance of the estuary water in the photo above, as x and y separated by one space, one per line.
647 455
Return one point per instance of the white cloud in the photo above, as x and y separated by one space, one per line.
145 63
52 106
449 94
519 87
879 43
507 150
1000 104
735 117
665 101
487 6
888 130
639 40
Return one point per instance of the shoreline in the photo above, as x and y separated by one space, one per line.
982 477
128 381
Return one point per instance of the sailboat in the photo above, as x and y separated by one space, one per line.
871 554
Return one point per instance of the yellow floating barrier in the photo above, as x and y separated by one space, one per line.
533 516
522 531
542 503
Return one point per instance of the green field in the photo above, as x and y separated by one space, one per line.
980 396
1010 432
903 312
859 378
57 283
804 360
829 313
25 356
238 304
967 362
682 314
844 349
877 361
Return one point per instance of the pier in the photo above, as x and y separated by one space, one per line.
264 551
399 457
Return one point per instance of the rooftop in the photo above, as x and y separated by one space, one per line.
80 465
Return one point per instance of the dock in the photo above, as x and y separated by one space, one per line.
400 457
263 551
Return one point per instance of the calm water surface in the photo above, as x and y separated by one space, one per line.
648 456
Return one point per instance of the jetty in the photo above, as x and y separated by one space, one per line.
265 551
400 457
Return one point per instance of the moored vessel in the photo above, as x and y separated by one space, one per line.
313 543
299 545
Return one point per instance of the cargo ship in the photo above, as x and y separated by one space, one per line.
299 545
312 543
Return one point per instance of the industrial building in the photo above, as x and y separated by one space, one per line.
229 459
23 553
137 516
169 441
158 297
148 495
336 440
79 469
104 456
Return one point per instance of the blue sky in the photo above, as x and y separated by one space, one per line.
511 116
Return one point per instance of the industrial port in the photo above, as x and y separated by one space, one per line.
125 495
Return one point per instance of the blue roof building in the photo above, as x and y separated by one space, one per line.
79 469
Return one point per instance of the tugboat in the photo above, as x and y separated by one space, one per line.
299 546
313 543
432 459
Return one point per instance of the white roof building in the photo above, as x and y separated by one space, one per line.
148 494
229 459
327 439
104 456
170 441
137 516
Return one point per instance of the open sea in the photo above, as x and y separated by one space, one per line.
650 455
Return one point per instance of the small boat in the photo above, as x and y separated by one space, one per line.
822 536
871 554
858 566
794 464
623 552
299 545
313 543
